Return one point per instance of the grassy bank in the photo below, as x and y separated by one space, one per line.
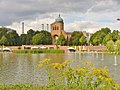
20 87
39 51
24 87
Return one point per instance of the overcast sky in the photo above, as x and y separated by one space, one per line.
82 15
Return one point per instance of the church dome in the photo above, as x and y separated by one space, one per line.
59 19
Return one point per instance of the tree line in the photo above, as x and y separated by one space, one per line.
77 38
12 38
104 35
108 38
100 37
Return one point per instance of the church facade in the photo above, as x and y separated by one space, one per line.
57 28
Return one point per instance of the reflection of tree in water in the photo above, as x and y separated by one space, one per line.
115 60
13 57
115 74
7 67
35 56
1 59
57 58
102 56
8 57
80 56
27 68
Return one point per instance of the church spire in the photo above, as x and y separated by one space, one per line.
59 14
59 19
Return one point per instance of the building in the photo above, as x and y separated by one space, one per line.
57 28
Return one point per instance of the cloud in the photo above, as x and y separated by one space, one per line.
91 26
17 10
80 14
105 6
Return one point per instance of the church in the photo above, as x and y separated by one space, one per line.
57 28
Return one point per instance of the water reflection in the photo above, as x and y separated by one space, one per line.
102 57
115 60
97 55
22 68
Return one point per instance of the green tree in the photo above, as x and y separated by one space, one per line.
96 41
31 32
83 40
13 38
98 37
117 46
37 32
76 35
23 39
43 37
114 36
110 46
61 40
107 38
3 31
3 40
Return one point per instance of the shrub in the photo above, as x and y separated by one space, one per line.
84 77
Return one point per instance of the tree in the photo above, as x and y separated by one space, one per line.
3 31
83 40
37 32
3 40
117 46
98 37
13 38
107 38
61 40
114 36
110 46
31 32
96 41
43 37
76 35
23 39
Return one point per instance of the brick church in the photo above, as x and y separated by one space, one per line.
57 28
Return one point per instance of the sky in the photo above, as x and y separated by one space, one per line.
78 15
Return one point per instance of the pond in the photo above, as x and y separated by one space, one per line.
23 68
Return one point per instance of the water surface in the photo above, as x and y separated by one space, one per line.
23 68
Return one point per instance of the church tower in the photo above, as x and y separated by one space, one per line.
56 28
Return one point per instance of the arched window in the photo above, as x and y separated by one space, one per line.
57 28
53 28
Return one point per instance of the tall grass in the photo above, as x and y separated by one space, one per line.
21 87
39 51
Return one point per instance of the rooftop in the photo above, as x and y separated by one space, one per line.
59 19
